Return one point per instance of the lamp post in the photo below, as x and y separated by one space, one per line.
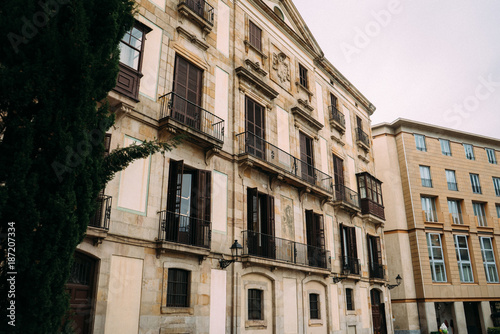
336 279
235 248
398 283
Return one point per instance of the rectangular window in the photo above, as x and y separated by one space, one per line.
445 147
255 127
369 187
306 158
349 300
429 208
187 93
178 288
463 259
255 304
315 230
454 208
314 306
303 76
425 176
490 266
260 224
496 185
350 261
255 35
420 142
188 215
436 257
469 152
492 158
480 213
476 186
498 210
375 257
452 180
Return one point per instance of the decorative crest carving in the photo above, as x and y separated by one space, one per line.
282 66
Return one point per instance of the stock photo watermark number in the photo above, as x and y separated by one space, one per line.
11 273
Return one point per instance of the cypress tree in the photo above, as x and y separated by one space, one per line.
58 58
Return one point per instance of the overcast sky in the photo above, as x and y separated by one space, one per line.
431 61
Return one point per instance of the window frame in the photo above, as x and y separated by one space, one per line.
486 263
370 188
250 306
475 183
496 185
480 207
420 143
435 262
451 179
456 217
464 266
491 154
255 35
469 152
314 313
303 76
429 207
497 206
446 148
426 182
349 299
171 288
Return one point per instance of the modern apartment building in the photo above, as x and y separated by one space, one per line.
278 158
442 196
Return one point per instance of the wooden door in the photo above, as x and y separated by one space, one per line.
378 313
338 177
80 288
307 158
255 128
187 88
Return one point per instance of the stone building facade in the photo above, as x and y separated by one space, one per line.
278 147
442 228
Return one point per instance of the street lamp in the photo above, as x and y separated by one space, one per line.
235 248
398 282
336 279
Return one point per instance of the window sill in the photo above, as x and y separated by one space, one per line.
305 89
351 312
315 322
256 324
177 310
251 46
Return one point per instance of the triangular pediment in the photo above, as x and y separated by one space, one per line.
292 20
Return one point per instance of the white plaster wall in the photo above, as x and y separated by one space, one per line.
365 312
320 105
219 202
351 171
151 60
133 191
290 305
222 98
324 155
330 243
218 301
159 3
335 307
360 245
124 295
223 28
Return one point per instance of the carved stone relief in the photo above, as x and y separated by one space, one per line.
281 71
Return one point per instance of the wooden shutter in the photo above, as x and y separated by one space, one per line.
359 122
175 186
310 227
270 215
252 206
306 155
352 248
201 202
255 35
320 231
333 100
187 87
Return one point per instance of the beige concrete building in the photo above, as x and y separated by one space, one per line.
279 146
442 229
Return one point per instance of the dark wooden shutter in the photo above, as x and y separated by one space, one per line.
175 186
255 127
255 35
270 215
310 227
359 122
342 241
333 100
253 206
201 208
187 87
306 155
353 251
320 231
338 177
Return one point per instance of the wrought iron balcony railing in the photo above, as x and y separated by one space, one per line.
336 115
270 247
251 144
191 115
101 217
350 265
186 230
201 8
344 194
426 183
362 137
453 186
377 270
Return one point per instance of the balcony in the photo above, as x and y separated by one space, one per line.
371 202
198 11
346 198
177 230
178 114
362 139
286 251
99 223
350 265
426 182
453 186
377 271
370 207
272 159
337 119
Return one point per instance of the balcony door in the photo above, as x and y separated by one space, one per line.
350 262
315 230
307 158
375 254
255 128
260 224
338 177
186 100
378 312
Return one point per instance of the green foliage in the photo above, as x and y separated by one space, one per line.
494 330
57 58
